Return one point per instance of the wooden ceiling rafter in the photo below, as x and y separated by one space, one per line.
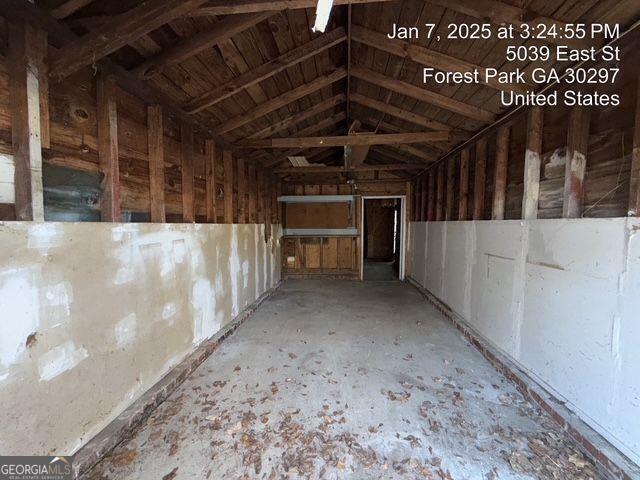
223 7
282 101
267 70
117 32
425 56
193 45
424 95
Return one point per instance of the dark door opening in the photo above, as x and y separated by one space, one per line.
382 223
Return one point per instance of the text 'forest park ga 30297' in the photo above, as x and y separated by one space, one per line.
578 57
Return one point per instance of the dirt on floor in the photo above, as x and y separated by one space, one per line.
341 379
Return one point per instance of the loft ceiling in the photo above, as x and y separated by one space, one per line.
248 71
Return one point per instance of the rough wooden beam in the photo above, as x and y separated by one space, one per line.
295 119
345 140
451 173
532 158
67 8
253 201
156 163
479 179
634 190
283 100
227 160
500 174
213 35
224 7
463 199
211 187
423 95
431 196
425 56
107 117
188 193
576 162
341 169
397 112
61 35
25 54
500 13
440 193
267 70
424 191
242 189
118 32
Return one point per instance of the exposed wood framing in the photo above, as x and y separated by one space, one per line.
500 173
339 141
211 187
267 70
215 34
242 189
227 160
397 112
463 196
297 118
634 192
341 169
424 190
67 8
221 7
186 154
25 55
479 179
576 162
451 172
440 193
425 56
427 96
252 205
156 163
117 32
282 100
107 117
431 196
532 160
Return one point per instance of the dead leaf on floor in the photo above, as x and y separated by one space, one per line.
408 357
292 356
124 458
397 396
332 332
237 368
171 475
373 430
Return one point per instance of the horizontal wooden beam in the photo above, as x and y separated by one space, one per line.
224 7
422 94
283 100
345 140
267 70
118 32
359 168
213 35
68 7
425 56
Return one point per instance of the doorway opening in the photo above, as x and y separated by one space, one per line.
382 239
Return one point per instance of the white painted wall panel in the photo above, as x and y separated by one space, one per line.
561 298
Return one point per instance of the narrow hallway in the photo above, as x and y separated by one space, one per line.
341 379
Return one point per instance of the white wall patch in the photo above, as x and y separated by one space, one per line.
125 331
60 359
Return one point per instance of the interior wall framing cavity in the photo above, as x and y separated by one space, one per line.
556 296
96 313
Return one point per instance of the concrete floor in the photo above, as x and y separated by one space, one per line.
341 379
